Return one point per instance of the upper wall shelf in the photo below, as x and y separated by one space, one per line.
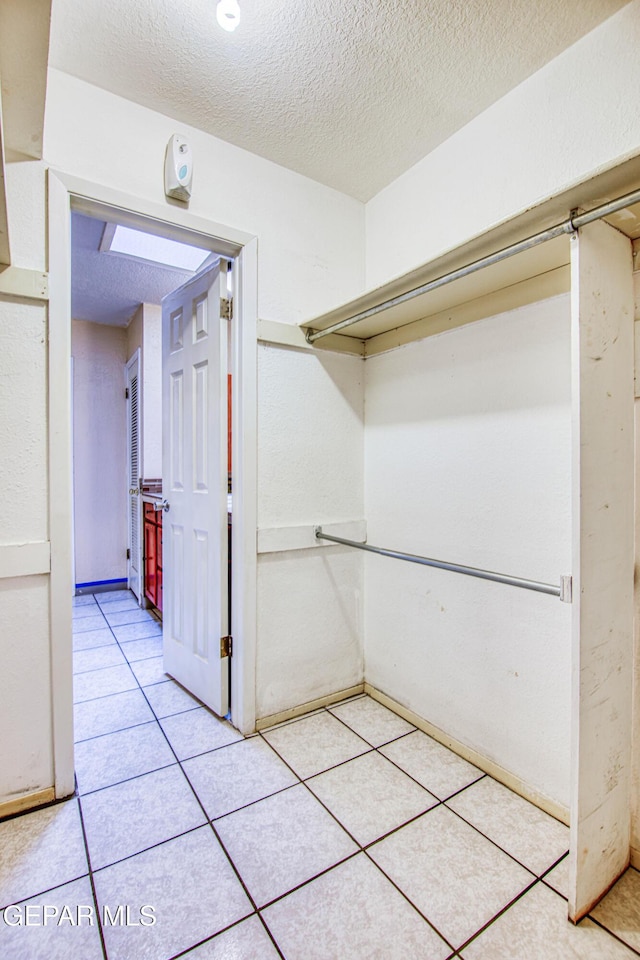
24 55
5 251
534 274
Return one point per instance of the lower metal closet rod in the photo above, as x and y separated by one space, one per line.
563 591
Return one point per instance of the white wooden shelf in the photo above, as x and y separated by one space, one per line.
535 274
5 250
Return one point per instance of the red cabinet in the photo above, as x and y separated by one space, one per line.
153 555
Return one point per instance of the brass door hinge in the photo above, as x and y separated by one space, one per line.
226 308
226 647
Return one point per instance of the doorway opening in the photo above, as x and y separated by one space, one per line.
68 196
152 382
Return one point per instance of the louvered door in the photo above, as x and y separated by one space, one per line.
134 563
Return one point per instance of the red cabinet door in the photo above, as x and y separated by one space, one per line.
150 557
159 561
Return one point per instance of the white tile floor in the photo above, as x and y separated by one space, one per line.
344 835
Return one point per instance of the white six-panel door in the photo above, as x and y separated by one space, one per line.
194 484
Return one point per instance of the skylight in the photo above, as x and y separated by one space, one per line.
150 248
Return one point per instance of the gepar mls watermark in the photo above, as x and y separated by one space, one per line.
49 915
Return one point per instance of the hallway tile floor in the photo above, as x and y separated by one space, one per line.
343 835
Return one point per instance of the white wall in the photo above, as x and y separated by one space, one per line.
99 451
311 253
310 257
468 459
25 695
310 455
572 119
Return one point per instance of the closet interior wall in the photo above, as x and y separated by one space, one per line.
468 459
311 443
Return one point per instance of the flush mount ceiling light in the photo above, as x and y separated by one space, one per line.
228 14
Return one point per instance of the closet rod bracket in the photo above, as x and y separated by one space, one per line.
566 589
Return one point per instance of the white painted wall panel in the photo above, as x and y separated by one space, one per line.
23 428
25 704
26 205
467 459
310 457
310 437
570 120
99 430
309 627
602 619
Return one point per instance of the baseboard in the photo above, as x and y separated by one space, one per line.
28 802
494 770
100 586
308 707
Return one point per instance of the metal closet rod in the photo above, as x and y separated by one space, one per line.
567 226
563 591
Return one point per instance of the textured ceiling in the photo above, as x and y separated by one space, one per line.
348 92
107 288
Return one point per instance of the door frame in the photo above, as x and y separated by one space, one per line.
134 360
67 193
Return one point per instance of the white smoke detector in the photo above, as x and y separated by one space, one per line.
178 168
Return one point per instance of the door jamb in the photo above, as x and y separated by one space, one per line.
136 357
66 192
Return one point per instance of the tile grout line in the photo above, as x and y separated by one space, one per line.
377 749
442 803
304 883
127 661
360 849
109 666
209 823
501 912
310 880
117 783
537 879
206 823
120 729
372 748
152 846
615 936
56 886
91 880
495 844
231 926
